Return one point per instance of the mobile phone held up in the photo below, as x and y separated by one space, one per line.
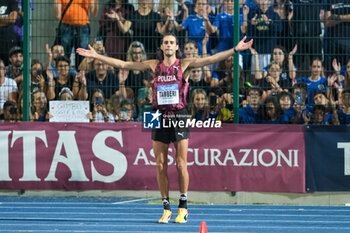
212 100
98 100
299 98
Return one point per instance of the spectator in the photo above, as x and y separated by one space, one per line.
223 76
8 88
198 25
198 80
264 24
134 80
250 3
306 23
8 16
18 27
114 105
342 73
87 63
75 29
271 83
226 108
272 112
99 112
104 80
279 55
36 76
215 103
224 24
343 114
10 111
113 15
144 96
284 8
185 8
346 82
65 94
127 112
64 79
189 5
315 82
318 116
300 96
286 102
167 12
338 30
40 107
15 68
191 49
146 26
52 54
199 105
250 114
320 97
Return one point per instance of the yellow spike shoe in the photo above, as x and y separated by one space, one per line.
167 214
182 216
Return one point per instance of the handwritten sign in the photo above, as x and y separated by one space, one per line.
69 111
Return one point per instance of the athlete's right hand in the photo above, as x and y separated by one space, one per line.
91 52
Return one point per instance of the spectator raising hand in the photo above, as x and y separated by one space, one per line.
79 87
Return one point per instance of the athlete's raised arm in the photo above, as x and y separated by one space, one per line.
91 53
195 62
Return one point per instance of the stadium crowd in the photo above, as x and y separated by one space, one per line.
298 71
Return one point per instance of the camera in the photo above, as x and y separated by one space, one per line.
39 72
13 110
212 101
288 6
229 106
124 115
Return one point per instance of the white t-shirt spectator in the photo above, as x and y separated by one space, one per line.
6 88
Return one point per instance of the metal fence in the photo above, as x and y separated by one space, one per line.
288 37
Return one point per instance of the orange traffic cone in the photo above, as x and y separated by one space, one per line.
203 228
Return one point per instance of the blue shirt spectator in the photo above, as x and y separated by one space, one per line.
224 23
195 26
248 116
315 82
313 86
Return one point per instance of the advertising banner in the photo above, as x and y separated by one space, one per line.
116 156
328 158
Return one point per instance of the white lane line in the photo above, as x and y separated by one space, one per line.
90 231
121 220
188 226
7 213
135 200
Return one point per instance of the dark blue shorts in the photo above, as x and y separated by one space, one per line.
171 129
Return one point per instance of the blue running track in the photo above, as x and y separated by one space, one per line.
62 214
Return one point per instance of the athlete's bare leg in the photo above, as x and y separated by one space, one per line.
181 148
160 150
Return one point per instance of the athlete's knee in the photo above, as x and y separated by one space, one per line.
161 166
181 164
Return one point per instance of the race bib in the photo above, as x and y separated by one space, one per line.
168 94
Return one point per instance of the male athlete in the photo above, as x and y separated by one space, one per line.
169 97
